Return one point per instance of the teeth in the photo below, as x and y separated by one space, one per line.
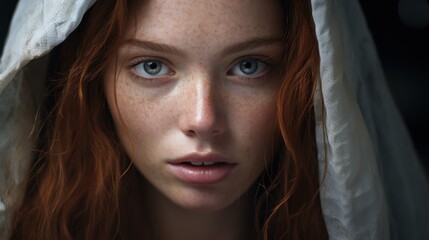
197 163
202 163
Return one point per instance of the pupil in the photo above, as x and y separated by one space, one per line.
249 66
152 67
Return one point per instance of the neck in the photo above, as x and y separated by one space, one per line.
166 220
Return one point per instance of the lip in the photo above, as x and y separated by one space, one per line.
218 171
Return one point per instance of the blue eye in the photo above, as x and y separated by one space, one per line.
151 69
248 68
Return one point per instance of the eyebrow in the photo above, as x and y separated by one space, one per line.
157 47
235 48
250 44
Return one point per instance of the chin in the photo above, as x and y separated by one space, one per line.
204 200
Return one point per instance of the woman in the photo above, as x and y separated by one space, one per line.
193 120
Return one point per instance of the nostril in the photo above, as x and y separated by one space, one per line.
202 128
203 134
190 133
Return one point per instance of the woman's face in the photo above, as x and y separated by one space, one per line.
196 93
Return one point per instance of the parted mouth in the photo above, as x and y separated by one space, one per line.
204 163
201 168
202 159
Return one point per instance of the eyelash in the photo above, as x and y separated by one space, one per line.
261 61
139 61
265 62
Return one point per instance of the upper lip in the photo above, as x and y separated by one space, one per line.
201 157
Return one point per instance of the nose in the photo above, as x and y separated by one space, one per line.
202 111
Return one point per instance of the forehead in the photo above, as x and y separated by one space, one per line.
206 22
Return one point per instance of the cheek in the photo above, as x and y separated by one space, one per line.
253 130
132 118
254 119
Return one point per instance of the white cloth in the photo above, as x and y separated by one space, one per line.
352 196
37 27
354 89
373 175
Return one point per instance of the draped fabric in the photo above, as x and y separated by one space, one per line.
373 174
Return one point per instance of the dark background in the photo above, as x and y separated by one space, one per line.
403 47
402 40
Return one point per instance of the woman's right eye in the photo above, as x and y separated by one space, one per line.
151 69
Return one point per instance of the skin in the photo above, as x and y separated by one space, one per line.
201 102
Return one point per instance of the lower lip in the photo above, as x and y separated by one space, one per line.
201 174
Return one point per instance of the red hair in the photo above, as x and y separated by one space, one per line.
74 185
295 187
76 179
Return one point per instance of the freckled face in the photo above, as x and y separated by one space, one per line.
200 78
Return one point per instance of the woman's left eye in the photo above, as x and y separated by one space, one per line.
248 68
151 69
